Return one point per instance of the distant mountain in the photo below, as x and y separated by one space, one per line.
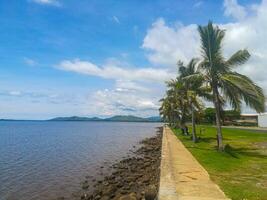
117 118
154 119
76 118
126 118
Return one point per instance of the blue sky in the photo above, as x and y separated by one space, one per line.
107 57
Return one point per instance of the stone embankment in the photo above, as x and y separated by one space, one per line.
133 178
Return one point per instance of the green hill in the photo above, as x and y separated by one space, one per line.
116 118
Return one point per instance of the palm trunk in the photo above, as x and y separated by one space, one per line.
183 128
194 137
218 118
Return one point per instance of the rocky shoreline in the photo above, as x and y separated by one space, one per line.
133 178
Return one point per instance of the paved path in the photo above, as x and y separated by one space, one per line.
182 177
256 129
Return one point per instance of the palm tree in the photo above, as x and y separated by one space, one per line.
220 75
195 88
174 106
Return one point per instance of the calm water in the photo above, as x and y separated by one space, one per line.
44 160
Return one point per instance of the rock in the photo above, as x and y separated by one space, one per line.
85 197
85 185
109 190
151 192
131 196
105 198
98 197
130 177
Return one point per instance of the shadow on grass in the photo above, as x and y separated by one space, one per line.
230 151
233 152
202 148
247 152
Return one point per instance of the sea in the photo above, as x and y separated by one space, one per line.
44 160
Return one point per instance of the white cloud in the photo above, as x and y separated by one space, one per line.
33 96
198 4
136 90
14 93
30 61
47 2
127 85
111 70
118 102
166 44
233 9
116 19
169 43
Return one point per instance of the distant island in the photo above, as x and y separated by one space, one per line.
116 118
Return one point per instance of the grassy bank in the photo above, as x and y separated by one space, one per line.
240 171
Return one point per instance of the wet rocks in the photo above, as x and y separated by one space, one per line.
85 185
151 192
133 178
131 196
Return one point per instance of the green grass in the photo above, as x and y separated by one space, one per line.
240 171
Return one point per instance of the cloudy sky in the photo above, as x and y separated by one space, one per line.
108 57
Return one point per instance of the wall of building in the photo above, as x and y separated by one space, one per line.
262 120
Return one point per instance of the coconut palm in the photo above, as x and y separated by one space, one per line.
219 73
195 88
173 107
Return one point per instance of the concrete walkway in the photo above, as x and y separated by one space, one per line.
182 177
256 129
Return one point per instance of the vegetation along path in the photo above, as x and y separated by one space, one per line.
182 177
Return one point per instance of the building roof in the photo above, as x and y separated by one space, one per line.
249 114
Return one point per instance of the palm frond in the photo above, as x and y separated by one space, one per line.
238 86
211 39
238 58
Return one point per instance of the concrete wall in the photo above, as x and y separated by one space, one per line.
262 120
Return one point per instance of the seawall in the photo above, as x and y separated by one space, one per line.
181 176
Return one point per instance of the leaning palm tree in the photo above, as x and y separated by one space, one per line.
220 75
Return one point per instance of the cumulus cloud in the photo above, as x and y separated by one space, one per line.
47 2
113 71
166 44
233 9
169 43
136 90
127 85
36 97
120 102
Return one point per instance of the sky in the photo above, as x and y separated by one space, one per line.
112 57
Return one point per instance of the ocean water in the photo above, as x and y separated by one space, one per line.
46 160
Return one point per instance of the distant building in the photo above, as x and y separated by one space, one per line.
262 120
249 117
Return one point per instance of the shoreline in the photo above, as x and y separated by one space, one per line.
133 178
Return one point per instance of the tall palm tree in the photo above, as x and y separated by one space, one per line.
219 73
195 88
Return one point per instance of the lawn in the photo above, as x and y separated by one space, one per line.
240 171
